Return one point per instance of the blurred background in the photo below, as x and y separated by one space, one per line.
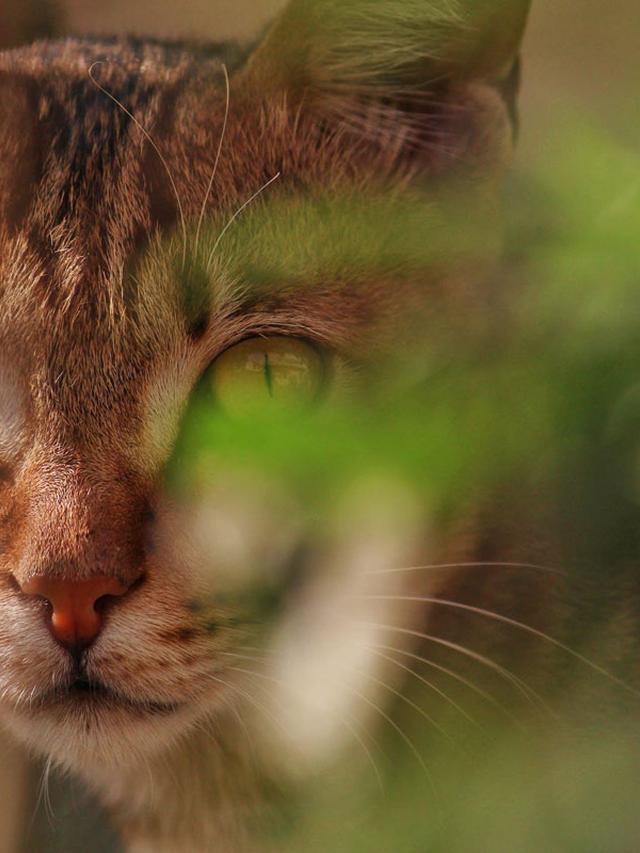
578 159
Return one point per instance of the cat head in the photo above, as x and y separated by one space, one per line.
163 234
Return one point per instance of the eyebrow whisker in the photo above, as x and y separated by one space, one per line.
150 140
217 160
239 211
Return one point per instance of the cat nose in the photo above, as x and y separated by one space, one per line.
75 617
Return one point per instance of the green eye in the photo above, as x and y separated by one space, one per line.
284 371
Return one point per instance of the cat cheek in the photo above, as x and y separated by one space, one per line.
32 660
178 636
12 419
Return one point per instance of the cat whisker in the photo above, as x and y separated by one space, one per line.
350 724
245 728
44 795
427 683
514 623
46 787
240 656
238 212
151 141
485 564
168 771
208 729
345 720
253 672
527 692
270 698
456 676
249 698
405 738
151 778
217 159
412 705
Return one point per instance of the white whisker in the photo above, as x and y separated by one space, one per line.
407 740
345 720
217 159
351 726
427 683
44 795
411 704
477 565
526 692
506 620
147 136
238 212
249 698
457 677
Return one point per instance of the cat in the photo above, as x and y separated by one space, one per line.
165 213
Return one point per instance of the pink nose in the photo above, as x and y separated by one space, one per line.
75 619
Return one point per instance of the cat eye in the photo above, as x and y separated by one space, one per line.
288 372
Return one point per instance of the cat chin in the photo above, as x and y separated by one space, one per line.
97 736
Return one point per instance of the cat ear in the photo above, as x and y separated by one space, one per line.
391 47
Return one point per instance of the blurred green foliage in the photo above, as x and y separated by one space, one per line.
554 373
548 395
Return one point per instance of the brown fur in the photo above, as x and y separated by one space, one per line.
103 334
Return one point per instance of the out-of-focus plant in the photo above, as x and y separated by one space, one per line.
559 402
547 394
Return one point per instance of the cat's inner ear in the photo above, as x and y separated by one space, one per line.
409 52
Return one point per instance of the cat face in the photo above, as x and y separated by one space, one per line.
152 224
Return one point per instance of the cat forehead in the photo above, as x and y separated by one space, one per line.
103 146
72 131
83 184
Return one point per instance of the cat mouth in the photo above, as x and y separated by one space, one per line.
84 692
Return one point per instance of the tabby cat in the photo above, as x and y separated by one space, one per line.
179 223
